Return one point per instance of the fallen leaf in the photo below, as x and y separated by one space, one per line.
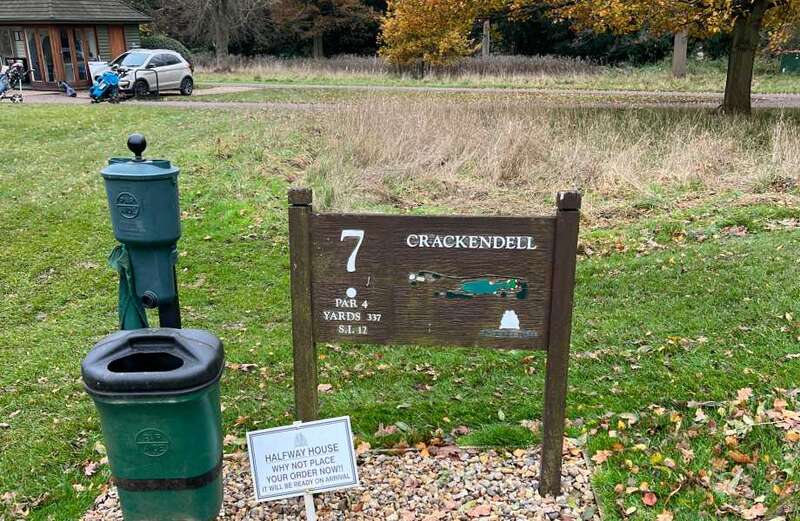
792 436
601 456
666 515
739 457
325 388
90 469
532 425
699 416
480 510
743 395
757 510
363 448
461 430
230 439
385 431
423 450
656 458
649 499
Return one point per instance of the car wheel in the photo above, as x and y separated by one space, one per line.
187 86
141 88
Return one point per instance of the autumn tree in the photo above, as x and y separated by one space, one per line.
313 19
431 31
745 19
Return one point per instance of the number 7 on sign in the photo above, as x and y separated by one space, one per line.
359 235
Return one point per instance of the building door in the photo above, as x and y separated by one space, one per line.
116 40
75 49
40 55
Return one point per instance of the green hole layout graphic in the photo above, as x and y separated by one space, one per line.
488 285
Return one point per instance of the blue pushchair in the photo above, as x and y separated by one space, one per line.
11 83
106 88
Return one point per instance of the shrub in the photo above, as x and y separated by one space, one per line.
159 41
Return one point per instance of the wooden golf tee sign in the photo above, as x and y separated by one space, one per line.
497 282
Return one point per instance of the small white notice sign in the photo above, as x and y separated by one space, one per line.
305 458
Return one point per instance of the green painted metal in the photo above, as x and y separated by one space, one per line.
131 312
790 63
143 201
145 213
164 437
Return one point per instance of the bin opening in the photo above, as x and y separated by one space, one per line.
154 362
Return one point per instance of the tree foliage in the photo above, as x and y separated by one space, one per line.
745 19
703 18
212 22
431 31
313 19
160 41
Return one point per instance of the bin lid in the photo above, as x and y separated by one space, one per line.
151 361
136 168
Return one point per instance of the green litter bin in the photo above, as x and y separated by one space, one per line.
157 393
790 62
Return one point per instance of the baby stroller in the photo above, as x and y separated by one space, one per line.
11 82
106 88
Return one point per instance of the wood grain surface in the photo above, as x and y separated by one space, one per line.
436 311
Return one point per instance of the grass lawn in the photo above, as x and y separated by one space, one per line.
705 76
300 94
677 311
289 95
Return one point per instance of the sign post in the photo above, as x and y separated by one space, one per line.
555 391
498 282
305 348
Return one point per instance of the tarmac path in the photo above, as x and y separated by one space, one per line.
568 98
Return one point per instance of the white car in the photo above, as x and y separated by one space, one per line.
143 71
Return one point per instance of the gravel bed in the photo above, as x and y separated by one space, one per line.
450 484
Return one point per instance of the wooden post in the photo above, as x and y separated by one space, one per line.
305 349
555 392
680 53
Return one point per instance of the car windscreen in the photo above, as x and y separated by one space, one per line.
131 59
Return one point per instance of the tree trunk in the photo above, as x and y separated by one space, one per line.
486 44
318 51
222 38
680 54
739 84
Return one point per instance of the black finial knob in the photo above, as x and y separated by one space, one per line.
137 144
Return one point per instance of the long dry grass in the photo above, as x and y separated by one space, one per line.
511 155
499 67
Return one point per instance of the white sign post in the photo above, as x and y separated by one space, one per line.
303 459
